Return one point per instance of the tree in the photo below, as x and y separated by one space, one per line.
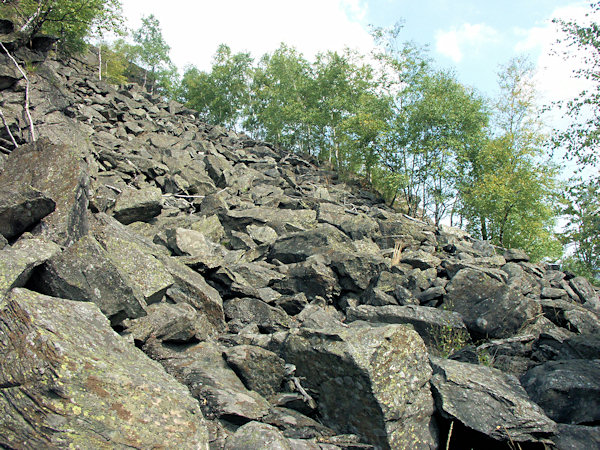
220 95
506 187
70 20
152 52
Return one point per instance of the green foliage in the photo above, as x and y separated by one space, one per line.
152 52
70 20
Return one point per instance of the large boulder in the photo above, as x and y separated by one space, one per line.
21 207
135 205
489 307
59 173
568 390
488 401
370 381
68 380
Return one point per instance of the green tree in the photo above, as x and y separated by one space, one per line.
506 186
151 52
71 20
222 94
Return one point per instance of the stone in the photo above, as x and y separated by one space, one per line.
260 370
257 435
567 390
359 226
572 437
85 272
586 293
203 370
420 259
59 173
21 207
135 205
355 271
295 425
68 380
516 255
251 310
438 328
262 234
371 381
487 400
18 262
488 307
281 220
312 278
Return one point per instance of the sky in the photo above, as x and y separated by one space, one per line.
472 37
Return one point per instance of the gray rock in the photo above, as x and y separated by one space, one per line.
257 435
439 329
281 220
21 207
295 425
586 293
420 259
489 307
371 381
489 401
567 390
355 271
251 310
516 255
312 278
59 173
69 381
571 316
260 370
85 272
135 205
575 437
204 371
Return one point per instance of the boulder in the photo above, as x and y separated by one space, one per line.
420 259
60 174
68 380
260 370
21 207
371 381
251 310
281 220
257 435
586 293
203 370
488 306
85 272
138 205
488 401
567 390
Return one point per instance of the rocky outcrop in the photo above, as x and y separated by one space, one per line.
164 282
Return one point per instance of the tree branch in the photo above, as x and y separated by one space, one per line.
12 138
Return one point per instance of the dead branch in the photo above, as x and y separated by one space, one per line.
307 398
12 138
27 112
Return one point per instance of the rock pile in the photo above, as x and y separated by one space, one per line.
166 283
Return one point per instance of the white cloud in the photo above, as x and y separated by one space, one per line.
195 29
455 42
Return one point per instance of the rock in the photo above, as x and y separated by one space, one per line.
388 289
312 278
69 381
420 259
196 244
203 370
571 316
371 381
359 226
296 425
489 401
18 262
442 331
257 435
281 220
571 437
586 293
85 272
489 307
135 205
21 207
260 370
251 310
59 173
567 390
355 271
262 235
516 255
299 246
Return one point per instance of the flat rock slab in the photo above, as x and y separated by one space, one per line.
21 207
68 380
489 401
257 435
138 205
59 173
568 390
260 370
371 381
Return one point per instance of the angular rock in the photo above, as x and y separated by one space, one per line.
296 425
312 278
438 328
281 220
568 390
251 310
299 246
85 272
18 262
574 437
59 173
489 307
257 435
260 370
138 205
69 381
489 401
371 381
204 371
516 255
359 226
355 271
586 293
420 259
21 207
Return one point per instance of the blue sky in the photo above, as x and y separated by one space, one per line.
473 37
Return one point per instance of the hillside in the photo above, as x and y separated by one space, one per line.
169 284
